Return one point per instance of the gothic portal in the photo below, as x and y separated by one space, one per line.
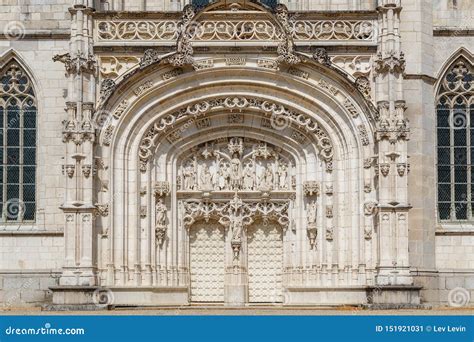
258 176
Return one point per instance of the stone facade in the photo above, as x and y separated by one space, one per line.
236 154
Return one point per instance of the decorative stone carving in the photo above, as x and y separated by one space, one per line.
143 211
77 63
355 65
298 73
329 211
150 57
70 168
368 232
236 214
236 166
205 64
311 217
235 61
172 74
367 187
203 123
184 49
364 136
86 170
392 126
120 109
329 189
116 66
302 121
162 188
385 169
401 169
392 62
363 85
286 49
311 188
108 134
370 208
140 90
102 209
321 56
229 29
267 64
107 87
330 233
349 106
160 221
235 118
368 162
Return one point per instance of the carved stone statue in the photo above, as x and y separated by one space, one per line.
237 226
312 213
249 177
235 173
189 176
160 210
206 178
283 176
268 178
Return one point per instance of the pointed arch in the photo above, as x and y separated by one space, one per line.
18 140
455 138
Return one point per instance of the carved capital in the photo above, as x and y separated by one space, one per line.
311 188
162 188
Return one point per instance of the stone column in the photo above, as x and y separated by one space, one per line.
79 276
392 136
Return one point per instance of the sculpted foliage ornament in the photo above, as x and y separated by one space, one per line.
363 85
235 214
392 62
321 56
286 49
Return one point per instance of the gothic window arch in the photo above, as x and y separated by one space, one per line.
455 143
18 120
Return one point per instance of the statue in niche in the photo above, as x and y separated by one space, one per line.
206 178
160 212
249 177
236 226
311 213
267 178
222 176
189 175
283 176
235 173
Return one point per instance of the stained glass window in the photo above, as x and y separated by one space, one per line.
17 145
455 133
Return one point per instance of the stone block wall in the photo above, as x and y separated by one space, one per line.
48 16
29 265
